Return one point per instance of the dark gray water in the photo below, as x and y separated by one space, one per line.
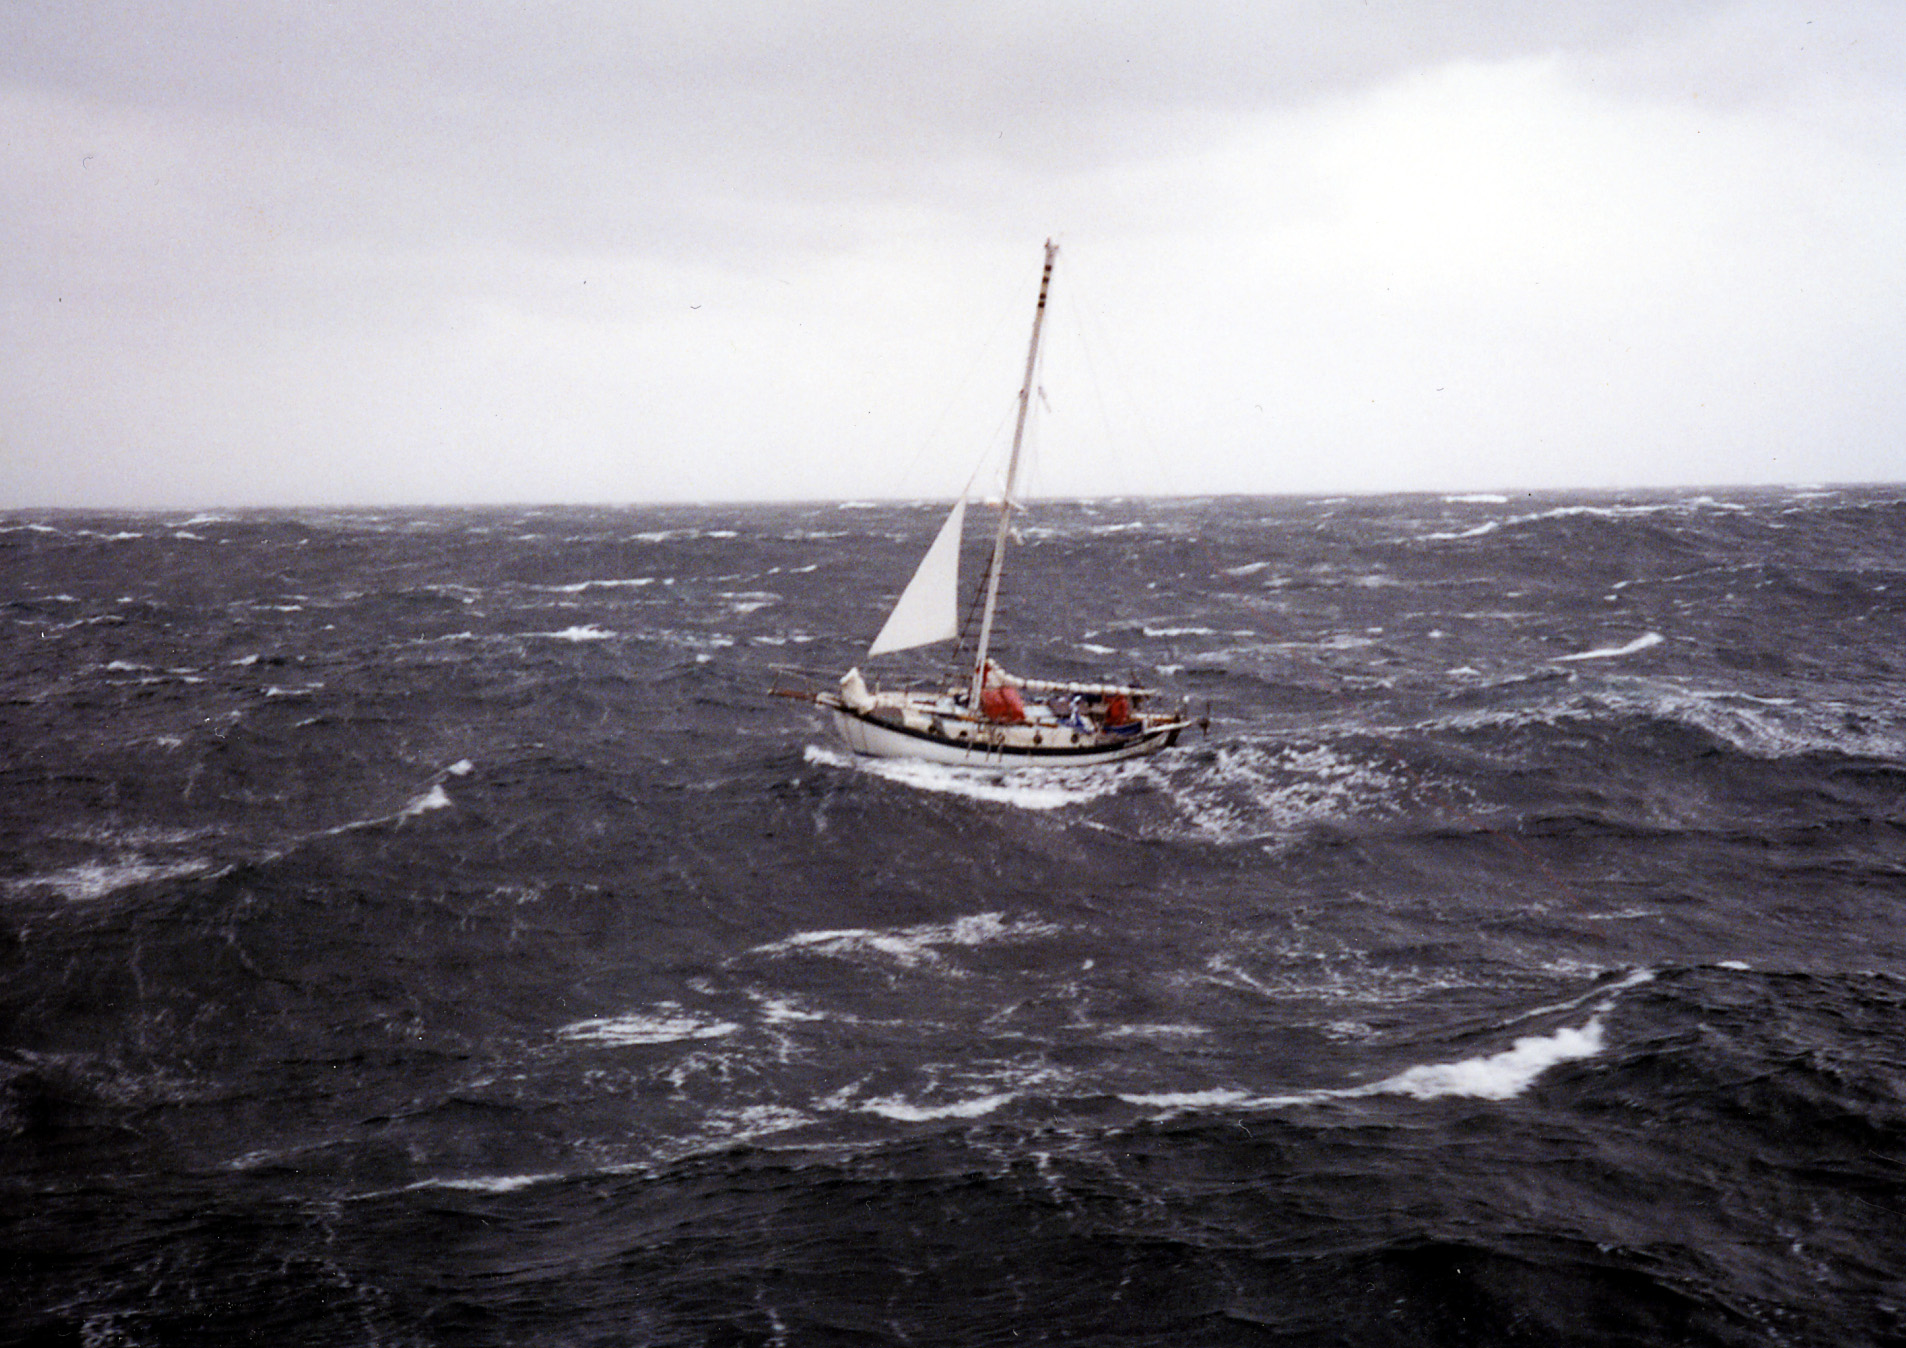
420 928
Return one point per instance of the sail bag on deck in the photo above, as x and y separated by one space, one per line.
929 608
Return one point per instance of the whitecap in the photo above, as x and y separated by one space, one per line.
1500 1076
488 1184
893 1107
97 879
1495 1076
908 946
784 1010
666 1023
587 633
1176 1100
1640 643
1154 1031
747 601
730 1126
1248 790
1488 528
434 799
633 582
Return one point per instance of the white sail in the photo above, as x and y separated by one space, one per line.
929 608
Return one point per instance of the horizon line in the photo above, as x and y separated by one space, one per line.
875 500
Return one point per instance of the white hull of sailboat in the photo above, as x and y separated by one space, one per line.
996 746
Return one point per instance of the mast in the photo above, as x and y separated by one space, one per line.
1012 478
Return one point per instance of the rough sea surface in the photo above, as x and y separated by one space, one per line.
422 928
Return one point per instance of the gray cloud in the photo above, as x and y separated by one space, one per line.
248 237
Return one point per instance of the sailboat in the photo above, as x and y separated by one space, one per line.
990 717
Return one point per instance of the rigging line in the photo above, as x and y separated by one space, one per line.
966 624
1016 506
1079 324
979 592
1004 314
1032 481
1092 378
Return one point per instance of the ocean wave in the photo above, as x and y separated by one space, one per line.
581 586
490 1184
907 1111
664 1023
745 1000
1335 978
436 798
1479 531
1502 1075
1641 643
91 880
1498 1076
1256 790
1622 510
1769 729
909 946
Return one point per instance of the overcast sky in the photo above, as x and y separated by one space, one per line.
267 253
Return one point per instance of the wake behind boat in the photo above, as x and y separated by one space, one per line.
989 717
